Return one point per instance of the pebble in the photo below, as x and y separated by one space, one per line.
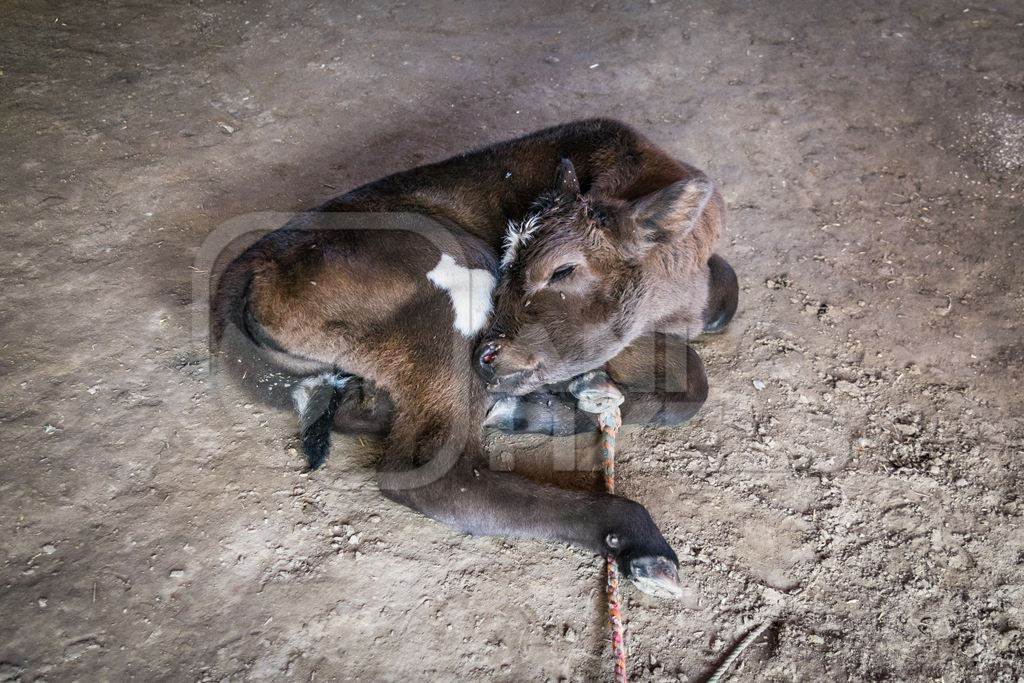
848 388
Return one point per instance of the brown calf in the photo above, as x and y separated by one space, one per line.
370 313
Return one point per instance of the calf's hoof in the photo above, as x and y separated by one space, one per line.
723 295
655 575
717 324
643 554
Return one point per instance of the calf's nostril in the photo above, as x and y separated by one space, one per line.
489 352
485 357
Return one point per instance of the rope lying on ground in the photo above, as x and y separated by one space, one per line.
722 672
595 394
610 423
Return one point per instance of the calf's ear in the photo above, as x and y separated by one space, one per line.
674 210
566 182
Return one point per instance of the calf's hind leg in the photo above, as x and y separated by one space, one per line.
662 378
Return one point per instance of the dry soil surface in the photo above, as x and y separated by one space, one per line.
855 477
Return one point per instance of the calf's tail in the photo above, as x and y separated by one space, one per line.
240 347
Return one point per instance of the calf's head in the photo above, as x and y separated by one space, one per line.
584 274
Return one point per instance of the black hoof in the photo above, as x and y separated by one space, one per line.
538 413
506 415
723 295
655 576
717 324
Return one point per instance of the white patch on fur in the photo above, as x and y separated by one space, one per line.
302 394
516 236
470 291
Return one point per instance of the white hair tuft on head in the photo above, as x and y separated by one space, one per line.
516 236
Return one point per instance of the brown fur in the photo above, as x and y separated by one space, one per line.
635 267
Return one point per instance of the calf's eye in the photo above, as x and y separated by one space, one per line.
562 272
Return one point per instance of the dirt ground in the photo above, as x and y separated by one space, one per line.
855 476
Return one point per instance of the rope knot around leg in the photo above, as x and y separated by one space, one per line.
596 393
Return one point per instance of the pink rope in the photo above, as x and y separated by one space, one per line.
610 423
596 394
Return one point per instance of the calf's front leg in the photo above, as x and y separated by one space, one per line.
455 487
660 375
